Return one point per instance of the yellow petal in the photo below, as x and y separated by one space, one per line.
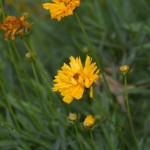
91 92
87 83
46 6
78 92
89 121
68 99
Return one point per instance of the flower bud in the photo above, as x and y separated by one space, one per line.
124 70
89 121
72 117
30 56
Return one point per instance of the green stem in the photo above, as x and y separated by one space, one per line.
43 105
6 125
34 72
10 108
12 58
78 137
92 139
88 40
107 115
2 9
99 62
37 65
12 44
99 105
129 112
37 62
106 138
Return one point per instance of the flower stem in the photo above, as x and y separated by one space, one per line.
78 137
10 108
2 9
99 62
129 112
87 39
92 139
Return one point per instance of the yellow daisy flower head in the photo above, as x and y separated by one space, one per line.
61 8
72 79
89 121
69 81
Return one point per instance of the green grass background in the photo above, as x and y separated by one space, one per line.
32 117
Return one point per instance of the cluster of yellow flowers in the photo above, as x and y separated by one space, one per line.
74 78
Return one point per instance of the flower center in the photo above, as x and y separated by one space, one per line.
76 76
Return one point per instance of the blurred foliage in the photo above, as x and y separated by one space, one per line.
33 117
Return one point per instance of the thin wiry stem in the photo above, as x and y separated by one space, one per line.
98 60
129 112
92 139
78 137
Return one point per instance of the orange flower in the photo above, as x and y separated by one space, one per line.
14 24
61 8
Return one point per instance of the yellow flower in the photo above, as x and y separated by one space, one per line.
73 79
89 121
69 81
14 24
61 8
